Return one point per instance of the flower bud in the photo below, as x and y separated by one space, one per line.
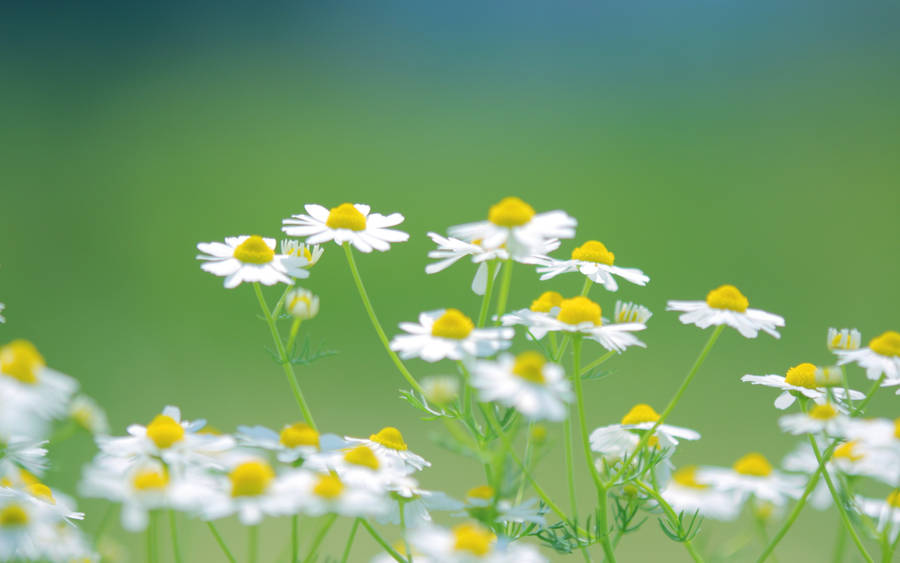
440 389
302 303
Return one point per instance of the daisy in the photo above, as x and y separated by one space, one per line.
293 442
513 224
594 261
441 389
448 333
89 415
805 379
359 466
326 493
536 315
527 382
881 357
389 441
28 388
686 494
23 453
346 223
626 312
619 440
302 304
297 249
877 434
61 507
886 513
417 504
22 523
821 419
844 339
469 542
250 259
753 475
726 305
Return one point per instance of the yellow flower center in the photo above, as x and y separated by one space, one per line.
893 499
150 480
823 412
390 437
298 434
846 451
510 212
547 301
41 491
639 414
472 538
484 492
888 344
539 433
594 251
13 515
250 479
329 487
28 478
452 324
897 428
362 455
802 375
687 477
164 431
727 297
530 366
753 464
20 360
254 250
579 310
346 216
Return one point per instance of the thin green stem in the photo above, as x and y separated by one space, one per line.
670 512
151 538
253 543
295 537
283 357
602 359
292 336
173 527
367 303
603 525
489 289
582 422
380 540
520 490
320 536
409 554
586 288
861 407
104 522
350 539
570 465
505 283
221 542
763 534
840 543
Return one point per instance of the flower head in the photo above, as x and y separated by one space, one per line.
594 261
346 223
536 388
448 333
250 259
726 305
811 381
880 357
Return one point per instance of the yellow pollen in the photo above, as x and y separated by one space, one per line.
13 515
510 212
547 301
362 455
687 477
164 431
254 250
20 360
6 482
845 451
893 499
250 478
452 324
594 251
150 480
888 344
41 491
639 414
299 434
530 366
390 437
802 375
579 310
329 486
823 412
897 428
346 216
727 297
753 464
484 492
472 538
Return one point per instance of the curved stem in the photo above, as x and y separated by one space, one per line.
221 542
579 398
350 539
283 358
489 289
320 536
380 540
354 271
173 526
503 296
860 407
670 512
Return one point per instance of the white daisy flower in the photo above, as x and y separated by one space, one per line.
843 339
360 467
326 493
250 259
346 223
22 453
389 441
23 524
617 441
537 389
441 389
880 357
302 304
480 504
753 475
466 543
65 543
686 494
513 224
727 305
61 507
293 442
627 312
821 419
594 261
296 249
417 504
29 389
89 415
808 380
886 513
448 333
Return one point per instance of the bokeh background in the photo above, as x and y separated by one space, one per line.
705 142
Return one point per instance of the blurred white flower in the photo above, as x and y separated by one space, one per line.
448 333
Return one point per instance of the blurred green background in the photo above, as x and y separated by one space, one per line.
704 142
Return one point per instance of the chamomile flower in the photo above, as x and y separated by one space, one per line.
470 542
727 305
359 466
250 259
22 523
880 357
60 507
24 453
534 387
302 304
416 503
878 434
594 261
296 249
820 419
619 440
89 415
30 390
805 379
753 475
843 339
514 225
441 389
448 333
347 222
293 442
139 487
686 494
389 441
327 493
886 513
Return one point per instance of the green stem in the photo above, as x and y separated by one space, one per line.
354 271
861 407
670 512
602 359
380 540
292 336
104 522
582 423
320 536
252 543
295 537
603 525
503 296
763 534
570 466
839 544
409 554
173 526
221 542
350 539
586 288
283 358
151 538
489 289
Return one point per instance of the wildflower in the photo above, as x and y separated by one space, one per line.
886 513
250 259
469 542
619 440
820 419
328 493
727 305
312 253
31 393
22 522
24 453
359 466
441 389
89 415
139 487
805 379
301 303
416 504
536 388
448 333
686 494
843 339
627 312
294 441
513 224
346 223
880 357
389 441
753 475
594 261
